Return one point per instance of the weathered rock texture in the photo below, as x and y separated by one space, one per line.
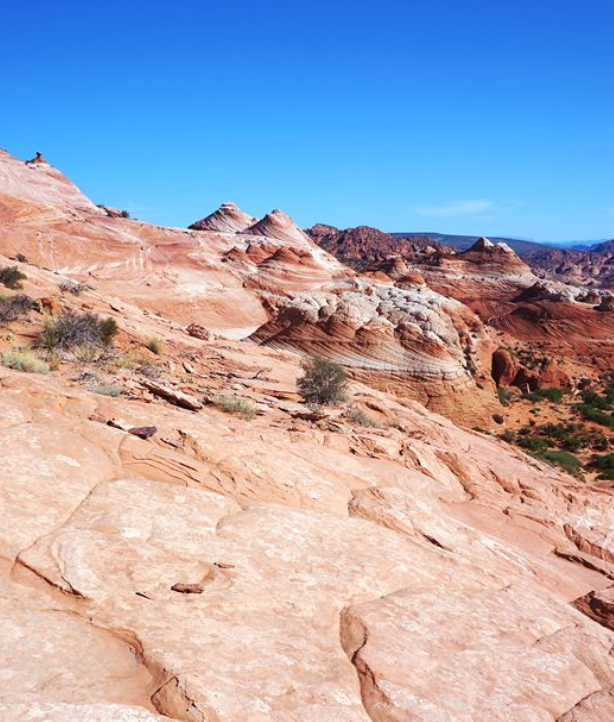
295 568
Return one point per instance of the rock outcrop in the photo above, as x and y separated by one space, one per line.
286 565
228 218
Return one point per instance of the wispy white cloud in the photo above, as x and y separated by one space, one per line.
457 208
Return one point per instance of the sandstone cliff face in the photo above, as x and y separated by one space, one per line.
292 568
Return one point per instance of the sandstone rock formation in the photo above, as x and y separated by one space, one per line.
228 218
298 567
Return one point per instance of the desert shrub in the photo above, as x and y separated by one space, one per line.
21 258
590 413
73 287
84 353
150 370
71 330
555 395
604 464
155 345
361 418
24 360
497 418
14 307
124 214
592 398
505 396
236 406
323 383
106 390
533 443
507 435
124 360
12 277
562 459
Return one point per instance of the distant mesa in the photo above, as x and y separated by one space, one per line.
277 225
228 218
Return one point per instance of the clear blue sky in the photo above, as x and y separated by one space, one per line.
466 116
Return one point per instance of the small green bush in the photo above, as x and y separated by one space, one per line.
590 413
233 405
507 435
505 396
562 459
12 277
553 394
155 345
323 383
533 443
71 330
604 464
24 360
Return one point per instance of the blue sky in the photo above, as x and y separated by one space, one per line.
462 116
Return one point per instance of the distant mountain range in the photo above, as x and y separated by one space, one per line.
520 246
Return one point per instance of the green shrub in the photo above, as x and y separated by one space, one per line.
562 459
71 330
12 277
236 406
553 394
24 360
590 413
533 443
505 396
361 418
597 401
507 435
323 383
604 464
155 345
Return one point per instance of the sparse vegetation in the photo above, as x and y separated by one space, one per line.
72 330
361 418
604 465
505 396
236 406
563 459
323 383
155 345
150 370
22 359
73 287
107 390
553 394
12 277
124 360
14 307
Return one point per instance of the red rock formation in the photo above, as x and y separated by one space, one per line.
365 244
228 218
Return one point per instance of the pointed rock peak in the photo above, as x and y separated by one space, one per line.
482 244
228 218
278 225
